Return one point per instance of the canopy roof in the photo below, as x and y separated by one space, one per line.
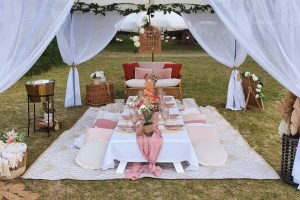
155 2
165 22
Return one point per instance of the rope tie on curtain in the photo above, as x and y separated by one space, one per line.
238 73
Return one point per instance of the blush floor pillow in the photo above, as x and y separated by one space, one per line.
194 118
91 155
207 146
129 70
163 73
176 69
105 123
140 73
100 134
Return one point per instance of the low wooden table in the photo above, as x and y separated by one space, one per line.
101 94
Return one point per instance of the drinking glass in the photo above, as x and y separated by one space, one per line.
165 114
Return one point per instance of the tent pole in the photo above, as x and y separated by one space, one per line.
74 92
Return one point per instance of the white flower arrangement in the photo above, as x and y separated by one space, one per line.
98 75
247 74
119 40
259 85
142 30
137 44
9 137
135 38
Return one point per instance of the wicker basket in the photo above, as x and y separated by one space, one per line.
289 148
19 170
97 95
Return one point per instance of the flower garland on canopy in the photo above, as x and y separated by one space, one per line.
126 9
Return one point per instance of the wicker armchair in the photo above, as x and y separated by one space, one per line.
175 91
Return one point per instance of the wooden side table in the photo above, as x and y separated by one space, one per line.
101 94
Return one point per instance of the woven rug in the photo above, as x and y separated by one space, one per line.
57 162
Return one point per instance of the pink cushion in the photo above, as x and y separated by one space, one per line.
163 73
105 123
152 65
194 118
140 73
98 134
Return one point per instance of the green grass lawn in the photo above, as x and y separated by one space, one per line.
206 81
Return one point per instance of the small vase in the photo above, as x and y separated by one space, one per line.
97 81
148 130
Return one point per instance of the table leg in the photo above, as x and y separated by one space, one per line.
121 168
34 129
178 167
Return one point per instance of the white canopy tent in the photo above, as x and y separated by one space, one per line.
268 30
164 22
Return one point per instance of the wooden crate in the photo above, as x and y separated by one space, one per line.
150 40
101 94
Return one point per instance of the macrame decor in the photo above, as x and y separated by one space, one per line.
150 40
295 118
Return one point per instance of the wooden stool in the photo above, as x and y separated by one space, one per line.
101 94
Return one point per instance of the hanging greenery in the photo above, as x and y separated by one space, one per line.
126 9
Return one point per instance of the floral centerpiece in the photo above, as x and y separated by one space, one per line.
98 77
259 86
9 137
145 103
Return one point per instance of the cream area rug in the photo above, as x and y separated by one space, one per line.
57 162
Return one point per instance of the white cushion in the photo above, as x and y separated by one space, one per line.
167 82
91 155
139 83
135 83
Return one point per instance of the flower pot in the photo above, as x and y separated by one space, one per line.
97 81
148 130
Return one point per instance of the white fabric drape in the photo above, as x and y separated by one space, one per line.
270 31
26 29
164 22
219 43
82 36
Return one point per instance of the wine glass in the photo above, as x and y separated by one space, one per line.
165 114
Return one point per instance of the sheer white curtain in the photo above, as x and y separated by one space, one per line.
26 29
219 43
270 31
82 36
